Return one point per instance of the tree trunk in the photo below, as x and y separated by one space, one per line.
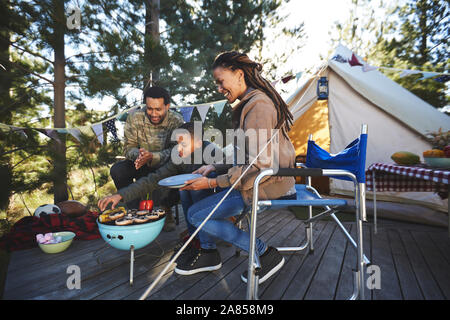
423 9
60 163
5 79
5 103
151 36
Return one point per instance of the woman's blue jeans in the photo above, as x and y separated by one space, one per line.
218 226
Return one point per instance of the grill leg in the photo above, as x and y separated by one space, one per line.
131 264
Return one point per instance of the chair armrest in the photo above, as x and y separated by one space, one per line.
299 172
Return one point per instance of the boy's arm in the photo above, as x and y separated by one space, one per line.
147 184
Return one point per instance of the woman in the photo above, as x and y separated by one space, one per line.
260 109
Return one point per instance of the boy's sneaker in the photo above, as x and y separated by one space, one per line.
200 260
271 261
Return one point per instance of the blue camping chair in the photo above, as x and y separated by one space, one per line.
349 165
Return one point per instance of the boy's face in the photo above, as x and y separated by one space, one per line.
187 144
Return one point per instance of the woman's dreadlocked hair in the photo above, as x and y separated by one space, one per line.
234 60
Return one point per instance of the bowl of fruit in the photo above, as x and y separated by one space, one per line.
437 158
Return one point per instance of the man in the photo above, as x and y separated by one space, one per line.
188 143
147 147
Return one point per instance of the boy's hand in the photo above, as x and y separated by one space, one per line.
114 199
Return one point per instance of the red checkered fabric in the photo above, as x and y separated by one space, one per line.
391 177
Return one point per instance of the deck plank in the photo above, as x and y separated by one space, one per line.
324 282
436 262
275 289
405 273
382 257
299 284
427 283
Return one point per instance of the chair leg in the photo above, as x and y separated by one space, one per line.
356 286
310 231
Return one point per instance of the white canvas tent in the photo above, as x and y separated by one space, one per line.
397 120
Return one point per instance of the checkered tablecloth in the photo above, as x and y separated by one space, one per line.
392 177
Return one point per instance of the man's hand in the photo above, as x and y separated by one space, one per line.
205 170
144 157
114 199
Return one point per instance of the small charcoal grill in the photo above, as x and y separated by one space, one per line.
131 237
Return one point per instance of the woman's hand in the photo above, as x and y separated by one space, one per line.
205 170
114 199
199 184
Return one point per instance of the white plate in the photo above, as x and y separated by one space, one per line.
178 181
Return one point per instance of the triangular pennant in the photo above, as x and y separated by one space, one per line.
368 67
406 73
274 83
52 134
20 131
111 127
218 107
339 58
442 79
98 129
87 131
426 75
298 76
76 133
187 113
354 61
203 110
287 78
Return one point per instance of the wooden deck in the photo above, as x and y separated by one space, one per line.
414 261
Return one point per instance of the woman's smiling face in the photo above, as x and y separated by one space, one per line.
230 83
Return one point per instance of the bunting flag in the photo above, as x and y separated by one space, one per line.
111 126
50 133
203 110
76 133
20 131
187 113
287 78
339 58
274 83
442 79
98 130
354 61
298 76
218 107
53 134
367 67
426 75
406 73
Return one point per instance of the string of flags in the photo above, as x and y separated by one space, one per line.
109 124
353 61
97 129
